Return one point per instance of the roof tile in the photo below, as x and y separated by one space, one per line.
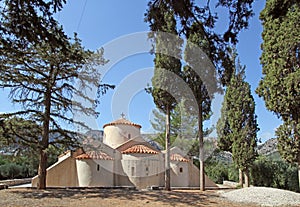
122 121
94 155
178 157
140 149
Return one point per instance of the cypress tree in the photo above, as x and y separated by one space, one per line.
280 84
167 69
199 74
237 126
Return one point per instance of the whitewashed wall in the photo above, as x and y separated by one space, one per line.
115 135
143 170
95 172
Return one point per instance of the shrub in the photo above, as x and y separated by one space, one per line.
10 171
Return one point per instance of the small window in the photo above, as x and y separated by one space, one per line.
98 167
147 169
181 170
129 136
132 171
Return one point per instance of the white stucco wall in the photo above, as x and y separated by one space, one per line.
95 172
179 174
115 135
62 173
194 177
143 170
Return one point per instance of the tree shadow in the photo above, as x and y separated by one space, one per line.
173 198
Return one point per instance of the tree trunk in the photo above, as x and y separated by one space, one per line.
241 178
247 178
299 173
167 156
42 171
201 149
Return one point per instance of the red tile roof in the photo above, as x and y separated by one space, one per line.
122 121
141 149
94 155
178 157
131 143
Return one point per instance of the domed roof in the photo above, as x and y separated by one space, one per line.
122 121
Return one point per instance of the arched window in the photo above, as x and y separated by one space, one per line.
147 170
181 169
129 136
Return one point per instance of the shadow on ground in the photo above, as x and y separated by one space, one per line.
192 198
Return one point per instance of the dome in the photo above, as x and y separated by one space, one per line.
122 121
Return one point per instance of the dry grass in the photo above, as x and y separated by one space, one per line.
95 197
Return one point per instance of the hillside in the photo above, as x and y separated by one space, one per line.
269 148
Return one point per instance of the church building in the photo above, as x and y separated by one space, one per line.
122 158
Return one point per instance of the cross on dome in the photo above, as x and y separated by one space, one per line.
123 115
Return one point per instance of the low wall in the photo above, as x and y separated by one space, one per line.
15 182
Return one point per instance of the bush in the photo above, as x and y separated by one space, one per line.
10 171
275 173
233 173
216 171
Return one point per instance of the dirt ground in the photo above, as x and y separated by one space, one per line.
111 197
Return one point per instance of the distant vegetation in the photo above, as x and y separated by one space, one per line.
268 170
23 164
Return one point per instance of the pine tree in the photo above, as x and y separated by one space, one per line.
42 79
183 127
31 21
237 126
280 84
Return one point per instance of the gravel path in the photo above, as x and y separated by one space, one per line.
263 196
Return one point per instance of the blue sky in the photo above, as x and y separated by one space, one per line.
118 26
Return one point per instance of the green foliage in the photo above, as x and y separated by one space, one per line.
216 171
167 68
166 61
237 126
41 71
24 164
280 84
262 172
18 134
265 171
199 74
183 131
223 129
31 21
183 127
10 170
233 173
288 140
219 171
275 173
188 13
